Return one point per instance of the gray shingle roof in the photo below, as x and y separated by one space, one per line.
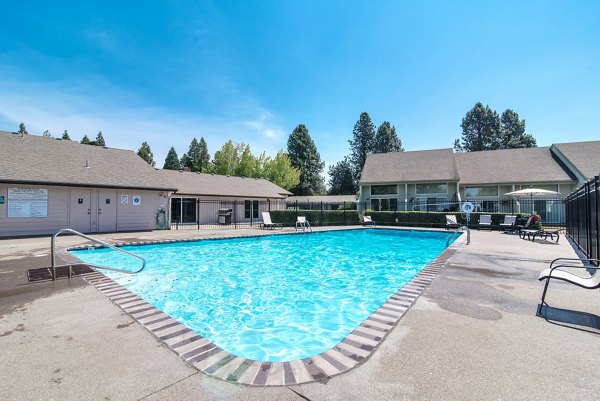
37 160
416 166
527 165
585 156
219 185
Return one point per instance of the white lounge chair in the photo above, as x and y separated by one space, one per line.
368 221
558 272
509 223
451 221
302 223
485 221
267 223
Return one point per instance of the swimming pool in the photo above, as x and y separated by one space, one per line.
278 297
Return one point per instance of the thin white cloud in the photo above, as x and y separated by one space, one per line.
125 122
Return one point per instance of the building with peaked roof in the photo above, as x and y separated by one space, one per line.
436 179
322 202
200 197
47 184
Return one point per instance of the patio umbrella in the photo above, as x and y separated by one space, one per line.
531 192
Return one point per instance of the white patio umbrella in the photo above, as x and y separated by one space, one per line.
531 192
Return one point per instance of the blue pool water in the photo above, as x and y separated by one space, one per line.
278 297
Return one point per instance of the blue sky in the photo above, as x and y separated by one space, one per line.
250 71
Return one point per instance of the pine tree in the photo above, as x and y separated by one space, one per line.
85 140
361 145
99 140
386 140
204 156
513 132
65 136
145 153
172 161
47 134
304 156
340 178
22 129
481 130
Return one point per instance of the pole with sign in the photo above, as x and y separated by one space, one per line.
467 208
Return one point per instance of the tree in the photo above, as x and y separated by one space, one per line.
22 129
386 140
47 134
280 171
197 158
226 159
513 132
246 165
480 130
361 145
340 178
172 161
85 140
145 153
65 136
304 156
99 140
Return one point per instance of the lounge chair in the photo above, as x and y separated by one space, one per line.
485 220
368 221
267 223
451 221
509 223
527 225
543 233
557 271
302 223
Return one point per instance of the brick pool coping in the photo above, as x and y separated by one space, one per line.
205 356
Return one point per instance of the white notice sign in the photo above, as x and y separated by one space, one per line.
27 202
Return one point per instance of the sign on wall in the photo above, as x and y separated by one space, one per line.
27 202
124 199
136 200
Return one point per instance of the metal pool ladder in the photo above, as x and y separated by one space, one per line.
450 238
97 241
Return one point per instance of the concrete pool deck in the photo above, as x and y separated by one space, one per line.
473 334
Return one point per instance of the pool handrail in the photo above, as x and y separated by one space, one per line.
450 238
105 244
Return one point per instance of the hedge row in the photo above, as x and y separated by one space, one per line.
316 217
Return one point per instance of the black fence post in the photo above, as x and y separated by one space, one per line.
197 213
235 218
321 213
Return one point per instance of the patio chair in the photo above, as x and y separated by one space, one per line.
558 272
509 223
485 220
543 233
302 223
368 221
451 221
267 223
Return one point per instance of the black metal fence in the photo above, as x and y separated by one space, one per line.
583 217
192 213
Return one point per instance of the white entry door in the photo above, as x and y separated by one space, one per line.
80 210
107 211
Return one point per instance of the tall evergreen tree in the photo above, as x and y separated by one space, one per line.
481 130
172 161
204 156
47 134
22 129
145 153
361 145
513 132
99 140
65 136
85 140
386 140
340 178
304 156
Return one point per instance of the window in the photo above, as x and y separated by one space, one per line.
432 188
384 189
481 191
251 209
384 205
546 187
